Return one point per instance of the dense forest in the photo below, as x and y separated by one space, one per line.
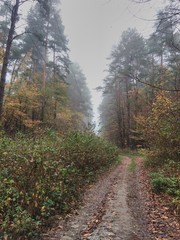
38 79
140 106
49 152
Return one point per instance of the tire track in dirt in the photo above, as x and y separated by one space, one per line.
118 222
105 213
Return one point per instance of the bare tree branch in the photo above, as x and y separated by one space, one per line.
151 85
19 35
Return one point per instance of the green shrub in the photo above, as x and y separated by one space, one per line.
171 168
169 185
43 176
165 184
87 152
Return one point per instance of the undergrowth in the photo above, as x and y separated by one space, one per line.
44 176
165 176
168 185
132 166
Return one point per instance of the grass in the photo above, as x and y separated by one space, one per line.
119 159
132 153
132 166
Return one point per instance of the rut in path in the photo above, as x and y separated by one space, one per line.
105 213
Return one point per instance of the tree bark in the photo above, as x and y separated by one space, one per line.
14 15
45 70
128 114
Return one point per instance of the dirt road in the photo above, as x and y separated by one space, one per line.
113 209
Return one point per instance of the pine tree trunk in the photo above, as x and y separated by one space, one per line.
14 15
45 71
128 114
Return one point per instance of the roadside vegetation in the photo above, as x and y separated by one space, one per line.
46 175
162 133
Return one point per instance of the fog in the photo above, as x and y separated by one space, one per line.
94 26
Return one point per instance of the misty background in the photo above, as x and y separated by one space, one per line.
93 27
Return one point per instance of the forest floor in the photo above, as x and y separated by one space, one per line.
120 205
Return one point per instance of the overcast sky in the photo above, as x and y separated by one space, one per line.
94 26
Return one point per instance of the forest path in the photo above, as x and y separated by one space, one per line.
112 209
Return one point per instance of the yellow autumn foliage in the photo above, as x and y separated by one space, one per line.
160 127
20 104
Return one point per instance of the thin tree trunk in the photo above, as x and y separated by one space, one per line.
123 127
14 15
12 77
128 114
45 72
34 81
